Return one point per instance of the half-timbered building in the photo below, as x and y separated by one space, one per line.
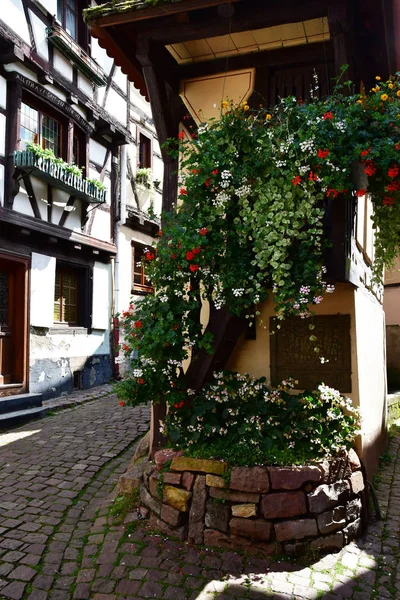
65 237
187 55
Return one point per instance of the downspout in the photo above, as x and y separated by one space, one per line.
118 238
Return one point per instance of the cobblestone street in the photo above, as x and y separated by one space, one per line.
58 542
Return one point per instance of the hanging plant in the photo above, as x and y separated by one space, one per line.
250 218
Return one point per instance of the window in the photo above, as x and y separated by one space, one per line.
140 283
66 296
144 152
67 14
39 128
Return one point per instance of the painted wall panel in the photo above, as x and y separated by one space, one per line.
49 5
3 92
2 135
101 296
97 153
20 68
56 92
85 85
116 106
74 219
100 55
101 228
39 34
12 13
22 204
120 79
138 100
62 65
43 273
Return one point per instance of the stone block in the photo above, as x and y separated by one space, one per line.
293 478
325 496
171 515
335 470
163 456
177 498
132 479
142 450
160 525
244 510
153 487
187 480
296 549
353 509
352 531
250 479
151 503
283 505
217 539
214 481
332 519
217 516
197 511
327 544
295 530
354 461
254 529
357 482
239 497
198 465
172 478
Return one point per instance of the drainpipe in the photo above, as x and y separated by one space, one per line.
119 241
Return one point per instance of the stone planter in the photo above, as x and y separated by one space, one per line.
259 509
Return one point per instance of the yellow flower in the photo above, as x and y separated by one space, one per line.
224 104
377 78
268 117
384 97
373 89
377 88
398 93
246 107
390 86
359 101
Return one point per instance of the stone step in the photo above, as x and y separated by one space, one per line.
11 419
10 404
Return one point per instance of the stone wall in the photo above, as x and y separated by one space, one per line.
259 509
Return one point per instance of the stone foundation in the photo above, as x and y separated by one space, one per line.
264 510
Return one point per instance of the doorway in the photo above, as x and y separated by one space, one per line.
13 324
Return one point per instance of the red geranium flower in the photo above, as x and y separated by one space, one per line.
159 233
394 171
203 231
215 172
138 325
331 192
207 182
183 192
150 256
140 381
173 256
369 168
181 135
196 250
312 176
194 268
328 115
296 180
175 327
388 201
365 152
122 403
189 255
397 146
322 153
361 193
393 186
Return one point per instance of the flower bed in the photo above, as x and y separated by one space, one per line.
265 510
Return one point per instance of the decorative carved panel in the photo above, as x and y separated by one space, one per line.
293 355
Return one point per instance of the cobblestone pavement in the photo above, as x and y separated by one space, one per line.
59 542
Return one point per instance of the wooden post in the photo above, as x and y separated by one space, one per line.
14 98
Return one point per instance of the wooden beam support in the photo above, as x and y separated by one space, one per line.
341 27
31 195
14 98
65 213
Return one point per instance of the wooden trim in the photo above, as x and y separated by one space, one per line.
31 195
65 213
51 230
141 131
14 99
49 202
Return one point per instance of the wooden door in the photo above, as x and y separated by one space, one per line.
13 324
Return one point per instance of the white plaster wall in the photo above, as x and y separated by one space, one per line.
116 106
62 65
3 92
39 34
85 85
371 371
20 68
43 273
2 135
49 5
74 219
140 101
1 185
120 79
56 92
21 202
101 307
100 56
12 13
97 153
69 345
101 228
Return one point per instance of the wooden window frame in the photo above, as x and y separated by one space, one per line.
81 37
62 272
139 288
84 296
148 162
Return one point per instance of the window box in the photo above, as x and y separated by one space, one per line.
58 176
64 42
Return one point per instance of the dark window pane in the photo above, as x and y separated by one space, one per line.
29 125
70 22
51 134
